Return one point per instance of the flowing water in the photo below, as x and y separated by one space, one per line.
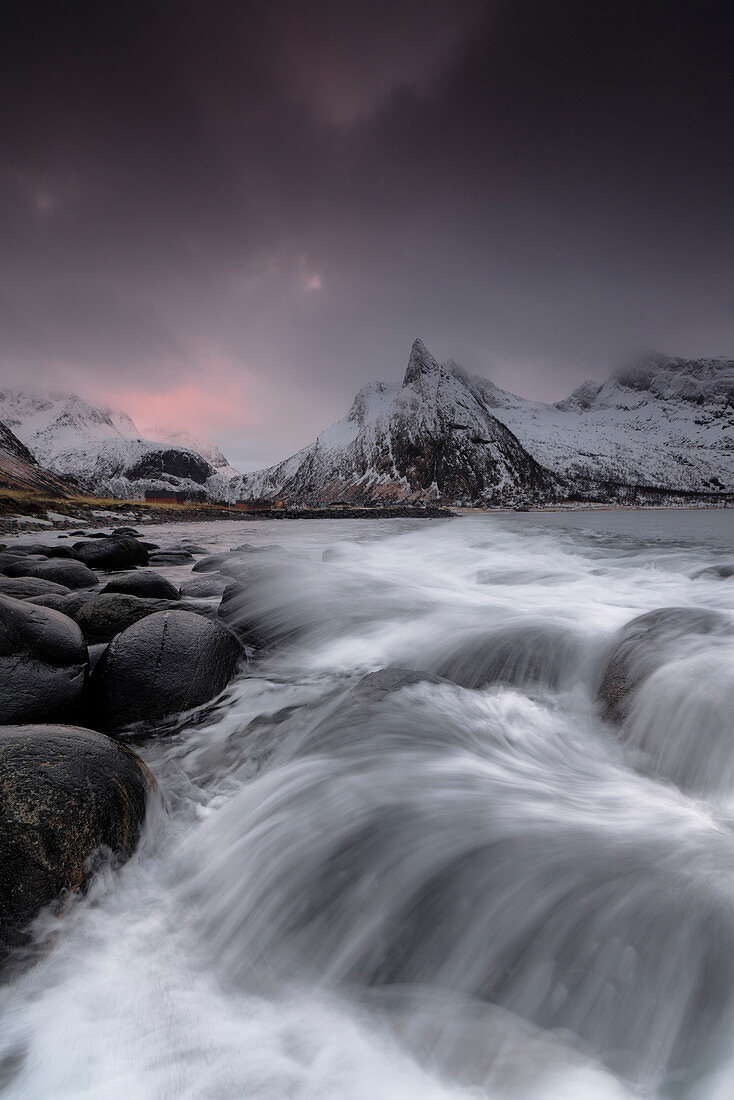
463 884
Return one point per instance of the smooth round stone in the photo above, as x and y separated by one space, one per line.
43 662
167 663
68 794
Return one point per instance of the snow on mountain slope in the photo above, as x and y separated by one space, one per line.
196 443
431 438
103 451
50 424
447 435
663 421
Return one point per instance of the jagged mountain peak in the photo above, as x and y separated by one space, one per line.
420 363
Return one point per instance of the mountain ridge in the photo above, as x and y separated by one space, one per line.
662 423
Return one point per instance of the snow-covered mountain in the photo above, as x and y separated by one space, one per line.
443 434
430 438
19 469
661 421
196 443
102 450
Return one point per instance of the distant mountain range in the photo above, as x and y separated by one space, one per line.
444 435
661 427
101 449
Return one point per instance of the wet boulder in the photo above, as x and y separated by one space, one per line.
198 587
106 614
167 663
23 588
95 652
121 552
143 582
518 653
72 574
722 572
170 557
126 531
67 603
43 662
68 794
8 558
210 564
646 643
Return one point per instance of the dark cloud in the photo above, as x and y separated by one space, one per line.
280 196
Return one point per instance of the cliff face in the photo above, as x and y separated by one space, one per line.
19 469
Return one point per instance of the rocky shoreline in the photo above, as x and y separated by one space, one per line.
94 643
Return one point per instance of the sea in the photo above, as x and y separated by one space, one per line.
469 883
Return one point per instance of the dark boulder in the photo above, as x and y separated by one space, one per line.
149 545
210 564
212 585
125 531
143 582
9 558
107 613
68 793
95 652
192 547
72 574
67 603
43 662
57 551
648 642
35 549
22 588
170 557
723 572
168 662
123 552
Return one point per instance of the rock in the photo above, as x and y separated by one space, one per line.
150 545
168 662
210 564
125 531
72 574
67 794
198 587
123 552
143 582
43 662
22 588
170 557
57 551
525 653
107 613
250 548
721 571
648 642
68 603
8 558
95 652
192 548
355 709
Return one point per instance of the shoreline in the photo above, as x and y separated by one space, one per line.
22 513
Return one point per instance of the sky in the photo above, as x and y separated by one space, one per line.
227 217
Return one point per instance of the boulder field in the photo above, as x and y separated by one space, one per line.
91 637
